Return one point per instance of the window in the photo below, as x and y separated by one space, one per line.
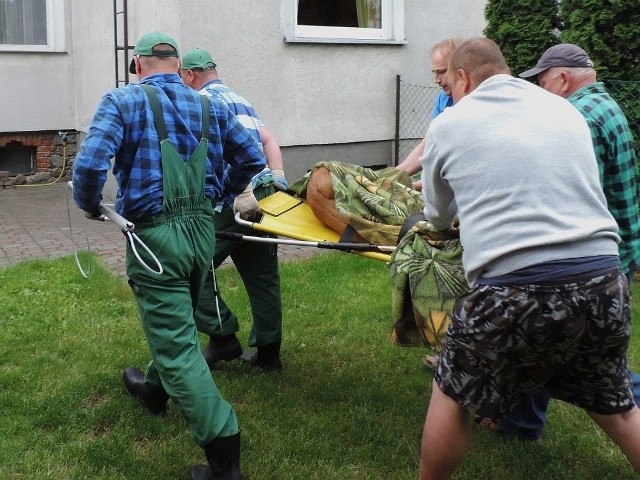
16 158
31 25
344 21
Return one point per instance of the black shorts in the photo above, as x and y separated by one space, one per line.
572 339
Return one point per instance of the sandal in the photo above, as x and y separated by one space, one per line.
491 424
487 423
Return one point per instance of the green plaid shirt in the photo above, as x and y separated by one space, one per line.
613 145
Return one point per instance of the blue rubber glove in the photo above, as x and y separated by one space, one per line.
278 178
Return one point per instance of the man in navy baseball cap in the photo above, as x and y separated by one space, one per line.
563 55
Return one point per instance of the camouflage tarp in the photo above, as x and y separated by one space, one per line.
426 270
375 203
427 278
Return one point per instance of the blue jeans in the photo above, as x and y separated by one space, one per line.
527 418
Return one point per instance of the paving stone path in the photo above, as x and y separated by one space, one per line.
34 223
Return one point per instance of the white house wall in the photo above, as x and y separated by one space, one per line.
93 56
37 89
309 94
306 93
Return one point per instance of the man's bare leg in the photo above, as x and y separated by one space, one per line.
445 437
624 429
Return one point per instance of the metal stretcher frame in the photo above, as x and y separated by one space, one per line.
288 216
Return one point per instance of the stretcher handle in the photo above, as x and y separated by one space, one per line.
114 217
111 215
347 247
127 229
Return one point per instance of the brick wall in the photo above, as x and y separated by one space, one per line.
53 152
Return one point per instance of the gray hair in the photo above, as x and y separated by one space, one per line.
447 46
576 72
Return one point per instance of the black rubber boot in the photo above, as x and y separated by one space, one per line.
267 357
223 456
224 348
154 398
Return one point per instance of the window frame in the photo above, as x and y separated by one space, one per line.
55 31
392 31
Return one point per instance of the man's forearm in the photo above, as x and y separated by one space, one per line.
411 164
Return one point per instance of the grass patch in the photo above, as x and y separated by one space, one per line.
348 405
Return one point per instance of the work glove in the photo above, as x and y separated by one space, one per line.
247 205
278 178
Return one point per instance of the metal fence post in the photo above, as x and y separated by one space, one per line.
396 156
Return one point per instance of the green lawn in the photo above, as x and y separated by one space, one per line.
348 404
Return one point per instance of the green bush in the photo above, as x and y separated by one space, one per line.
608 30
522 29
627 94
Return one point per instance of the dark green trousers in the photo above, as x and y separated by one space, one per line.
184 245
257 264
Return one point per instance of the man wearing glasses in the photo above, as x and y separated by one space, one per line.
440 54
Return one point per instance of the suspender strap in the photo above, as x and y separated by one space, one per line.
158 117
206 114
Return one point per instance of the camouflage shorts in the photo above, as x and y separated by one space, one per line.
508 340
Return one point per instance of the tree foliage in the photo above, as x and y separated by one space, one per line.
627 94
609 30
523 29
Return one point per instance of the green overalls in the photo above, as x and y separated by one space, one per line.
182 237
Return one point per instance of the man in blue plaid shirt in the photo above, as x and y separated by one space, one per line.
567 70
169 147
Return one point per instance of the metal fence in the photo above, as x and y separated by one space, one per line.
627 94
414 106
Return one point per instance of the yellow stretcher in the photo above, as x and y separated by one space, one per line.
291 217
